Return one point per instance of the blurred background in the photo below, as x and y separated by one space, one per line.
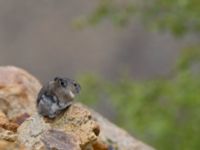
137 61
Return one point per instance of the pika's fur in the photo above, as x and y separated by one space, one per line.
56 96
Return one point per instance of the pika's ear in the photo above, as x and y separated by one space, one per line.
56 79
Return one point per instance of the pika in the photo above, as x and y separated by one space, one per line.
56 96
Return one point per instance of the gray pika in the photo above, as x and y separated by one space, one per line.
56 95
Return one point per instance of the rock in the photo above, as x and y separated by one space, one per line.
77 128
20 119
7 128
59 140
8 134
115 137
76 122
100 145
6 145
6 124
30 132
18 91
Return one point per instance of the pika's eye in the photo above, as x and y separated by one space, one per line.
75 84
63 84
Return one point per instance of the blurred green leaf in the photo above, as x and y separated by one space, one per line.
177 16
161 112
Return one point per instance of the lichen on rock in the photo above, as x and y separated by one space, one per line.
76 121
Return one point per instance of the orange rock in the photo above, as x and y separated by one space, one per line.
5 145
76 122
18 91
7 129
6 124
99 145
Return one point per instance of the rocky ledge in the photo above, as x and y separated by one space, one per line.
78 128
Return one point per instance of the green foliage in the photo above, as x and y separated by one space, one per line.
161 112
106 9
176 16
188 58
119 15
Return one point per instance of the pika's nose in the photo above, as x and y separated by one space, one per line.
77 87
